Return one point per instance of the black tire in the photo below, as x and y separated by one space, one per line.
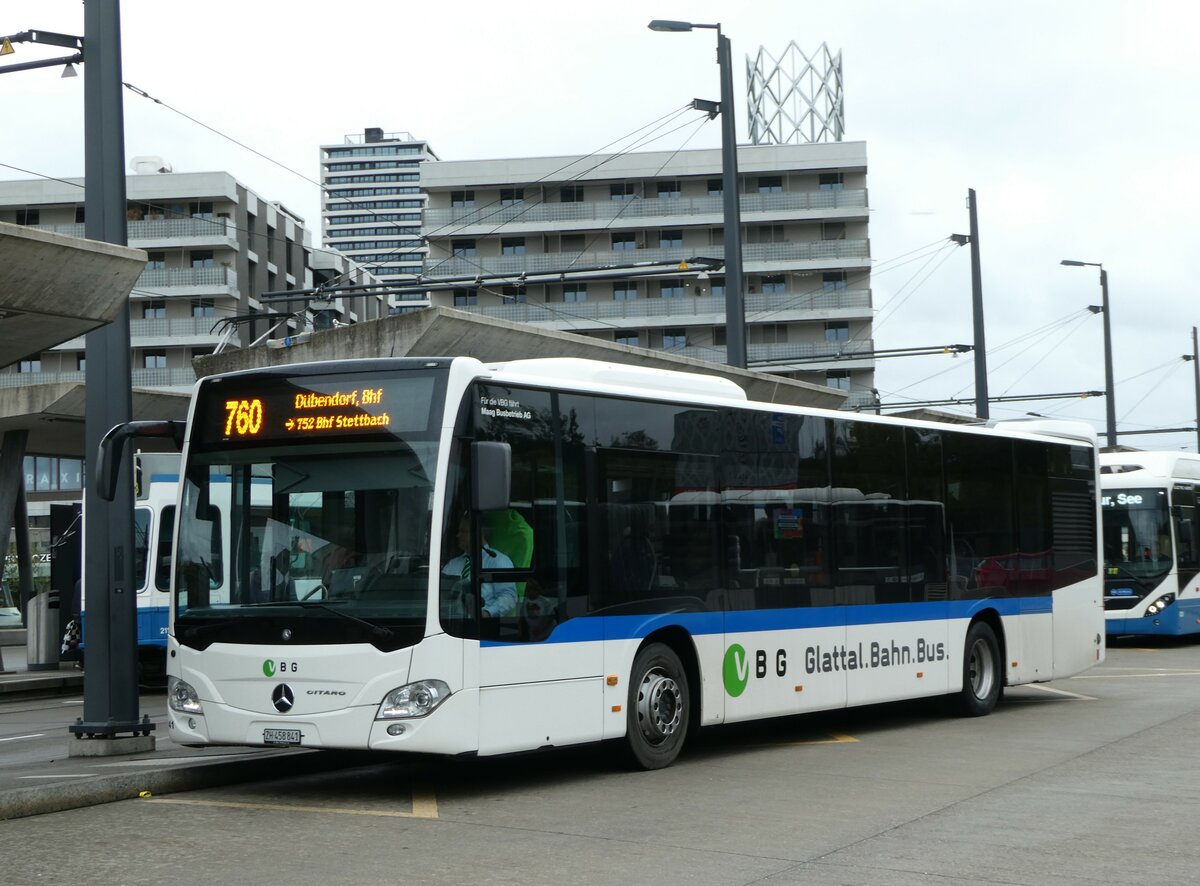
983 672
659 707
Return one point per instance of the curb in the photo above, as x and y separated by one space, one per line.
191 775
19 685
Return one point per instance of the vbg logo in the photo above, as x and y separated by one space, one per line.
736 668
269 668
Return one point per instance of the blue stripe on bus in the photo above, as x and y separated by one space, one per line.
631 627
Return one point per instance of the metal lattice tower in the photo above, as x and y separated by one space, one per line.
795 99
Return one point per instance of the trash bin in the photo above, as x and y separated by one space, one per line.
42 640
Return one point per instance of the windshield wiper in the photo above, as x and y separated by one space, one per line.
374 629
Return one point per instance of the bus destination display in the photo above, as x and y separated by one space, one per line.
278 411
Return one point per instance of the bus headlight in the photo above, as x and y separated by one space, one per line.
1160 604
182 697
414 700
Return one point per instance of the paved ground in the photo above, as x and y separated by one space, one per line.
1081 781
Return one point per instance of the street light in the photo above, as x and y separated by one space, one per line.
735 313
1110 402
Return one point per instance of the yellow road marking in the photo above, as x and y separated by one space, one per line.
424 805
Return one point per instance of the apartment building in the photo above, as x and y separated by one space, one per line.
215 249
371 205
605 246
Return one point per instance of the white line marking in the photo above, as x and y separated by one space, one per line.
424 805
1126 676
79 775
23 737
1055 691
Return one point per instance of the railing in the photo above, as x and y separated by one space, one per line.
213 277
142 378
603 311
605 211
830 251
159 229
172 326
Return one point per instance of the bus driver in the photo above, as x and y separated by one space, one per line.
499 598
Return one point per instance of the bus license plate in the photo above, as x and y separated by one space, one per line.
281 736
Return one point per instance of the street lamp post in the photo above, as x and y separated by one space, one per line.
735 313
1110 402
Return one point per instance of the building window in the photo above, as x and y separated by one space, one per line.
832 280
668 189
626 338
624 291
154 359
80 215
623 191
509 196
773 333
670 239
830 181
156 261
462 199
81 362
671 289
833 230
513 295
716 187
575 292
767 234
28 216
462 248
717 287
837 330
571 243
30 364
770 184
674 339
838 379
570 194
251 218
201 209
466 297
156 309
718 336
773 283
202 258
270 244
512 245
203 307
622 242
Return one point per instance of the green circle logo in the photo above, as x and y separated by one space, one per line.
736 670
269 668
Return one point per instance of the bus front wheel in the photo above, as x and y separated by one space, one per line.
983 672
658 708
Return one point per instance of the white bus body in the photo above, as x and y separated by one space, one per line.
682 557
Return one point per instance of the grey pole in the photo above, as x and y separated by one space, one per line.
1110 398
981 384
1196 372
110 696
735 310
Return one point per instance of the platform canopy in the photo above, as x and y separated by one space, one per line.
55 288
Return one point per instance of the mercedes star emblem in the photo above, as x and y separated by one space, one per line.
283 698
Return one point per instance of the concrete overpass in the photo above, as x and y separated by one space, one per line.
444 332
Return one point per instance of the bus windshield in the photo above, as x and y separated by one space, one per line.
1137 534
316 531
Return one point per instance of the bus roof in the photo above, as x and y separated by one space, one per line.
1147 468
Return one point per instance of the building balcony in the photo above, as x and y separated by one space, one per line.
174 332
153 233
768 357
768 256
142 378
681 210
689 310
197 280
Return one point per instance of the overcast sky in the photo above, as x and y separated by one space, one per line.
1075 122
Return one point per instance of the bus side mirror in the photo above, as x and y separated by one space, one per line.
112 449
491 475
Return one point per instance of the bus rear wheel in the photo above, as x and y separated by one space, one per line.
983 672
659 707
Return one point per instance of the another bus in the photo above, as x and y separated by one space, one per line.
1151 542
542 553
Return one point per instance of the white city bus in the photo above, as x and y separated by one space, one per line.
1151 542
652 554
